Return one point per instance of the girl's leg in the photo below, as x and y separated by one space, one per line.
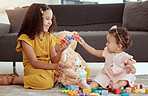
18 80
8 79
119 84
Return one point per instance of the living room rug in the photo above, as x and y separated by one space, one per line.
18 90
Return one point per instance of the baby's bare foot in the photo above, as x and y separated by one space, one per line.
84 85
114 86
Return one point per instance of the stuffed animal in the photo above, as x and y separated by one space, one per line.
71 61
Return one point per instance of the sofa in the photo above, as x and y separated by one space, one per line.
92 22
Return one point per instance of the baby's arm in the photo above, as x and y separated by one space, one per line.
130 68
90 49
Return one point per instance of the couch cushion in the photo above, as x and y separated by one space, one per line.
88 17
135 16
15 18
4 29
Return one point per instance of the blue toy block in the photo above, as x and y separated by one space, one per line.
125 94
104 92
98 91
66 87
72 87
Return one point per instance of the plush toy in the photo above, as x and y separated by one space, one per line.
74 66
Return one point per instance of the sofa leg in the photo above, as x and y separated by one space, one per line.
14 69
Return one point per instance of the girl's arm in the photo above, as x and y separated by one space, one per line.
56 56
130 67
90 49
33 60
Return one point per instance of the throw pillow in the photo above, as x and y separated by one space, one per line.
135 16
15 18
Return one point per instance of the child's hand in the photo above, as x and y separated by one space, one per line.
60 69
64 45
129 69
81 41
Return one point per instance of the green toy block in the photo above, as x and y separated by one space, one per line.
61 86
93 89
100 88
122 90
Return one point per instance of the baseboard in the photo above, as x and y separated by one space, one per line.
7 67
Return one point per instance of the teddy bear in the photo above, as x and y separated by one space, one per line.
74 66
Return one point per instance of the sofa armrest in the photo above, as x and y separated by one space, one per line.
4 29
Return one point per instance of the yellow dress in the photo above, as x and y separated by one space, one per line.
38 78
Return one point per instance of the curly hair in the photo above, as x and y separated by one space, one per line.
122 37
33 21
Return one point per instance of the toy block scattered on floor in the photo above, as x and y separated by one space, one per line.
72 87
98 91
74 92
146 91
64 91
93 89
136 91
109 89
137 86
128 90
133 88
117 91
125 94
93 94
100 88
141 86
66 87
105 92
86 90
61 85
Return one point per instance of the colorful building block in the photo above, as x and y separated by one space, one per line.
66 87
141 86
133 88
125 94
136 91
64 91
93 89
104 92
93 94
72 87
109 89
117 91
86 90
99 92
137 86
128 90
61 86
100 88
146 91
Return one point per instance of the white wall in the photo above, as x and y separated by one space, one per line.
5 4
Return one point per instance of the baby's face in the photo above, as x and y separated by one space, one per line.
47 19
111 43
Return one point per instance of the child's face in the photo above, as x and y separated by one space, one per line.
47 19
112 43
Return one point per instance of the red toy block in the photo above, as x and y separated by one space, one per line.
109 89
117 91
141 86
133 88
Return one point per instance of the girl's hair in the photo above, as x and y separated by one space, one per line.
122 36
33 21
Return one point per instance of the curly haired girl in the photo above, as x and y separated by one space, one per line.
118 70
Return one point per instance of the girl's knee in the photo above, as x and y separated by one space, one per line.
46 84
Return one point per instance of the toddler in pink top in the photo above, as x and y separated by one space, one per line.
118 70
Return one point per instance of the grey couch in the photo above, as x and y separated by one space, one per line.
92 22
